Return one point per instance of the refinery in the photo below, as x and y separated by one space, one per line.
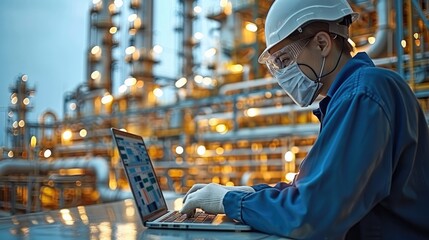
223 119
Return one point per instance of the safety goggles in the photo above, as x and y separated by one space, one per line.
278 61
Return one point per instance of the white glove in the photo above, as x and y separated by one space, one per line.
198 186
209 198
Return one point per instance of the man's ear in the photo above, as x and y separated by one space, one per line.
324 43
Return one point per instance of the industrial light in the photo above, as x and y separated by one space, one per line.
107 98
251 27
83 132
210 52
158 92
26 101
201 150
221 128
181 82
21 123
33 141
67 135
251 112
72 106
157 49
179 150
130 81
47 153
198 9
130 50
96 75
290 176
132 17
289 156
198 79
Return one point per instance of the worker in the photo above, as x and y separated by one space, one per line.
367 174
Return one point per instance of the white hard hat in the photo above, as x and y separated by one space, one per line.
287 16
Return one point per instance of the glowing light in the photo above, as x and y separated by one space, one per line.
33 141
140 84
221 128
201 150
251 27
198 35
416 35
96 75
295 149
289 156
14 99
132 17
197 9
113 30
107 98
24 78
351 42
179 150
236 68
290 176
181 82
130 50
371 40
122 88
10 154
72 106
21 123
47 153
210 52
83 132
252 112
158 92
213 121
130 81
207 81
15 124
157 49
96 50
67 134
119 3
198 79
26 101
219 150
403 43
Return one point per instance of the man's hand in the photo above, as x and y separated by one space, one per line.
209 198
198 186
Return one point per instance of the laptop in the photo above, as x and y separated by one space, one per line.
147 193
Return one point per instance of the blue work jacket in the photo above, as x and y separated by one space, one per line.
367 174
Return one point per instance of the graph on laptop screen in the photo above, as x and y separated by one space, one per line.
141 175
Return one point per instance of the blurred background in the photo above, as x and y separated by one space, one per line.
181 73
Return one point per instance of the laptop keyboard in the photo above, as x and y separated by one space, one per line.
199 217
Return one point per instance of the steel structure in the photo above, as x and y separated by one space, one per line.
227 120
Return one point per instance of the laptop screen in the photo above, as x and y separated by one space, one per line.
141 175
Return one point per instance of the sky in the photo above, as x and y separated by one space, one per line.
47 40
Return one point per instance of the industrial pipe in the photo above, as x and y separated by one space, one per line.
98 165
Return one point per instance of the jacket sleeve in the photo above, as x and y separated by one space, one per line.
344 175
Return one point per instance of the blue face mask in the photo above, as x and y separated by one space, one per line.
298 86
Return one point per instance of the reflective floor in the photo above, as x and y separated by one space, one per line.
118 220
